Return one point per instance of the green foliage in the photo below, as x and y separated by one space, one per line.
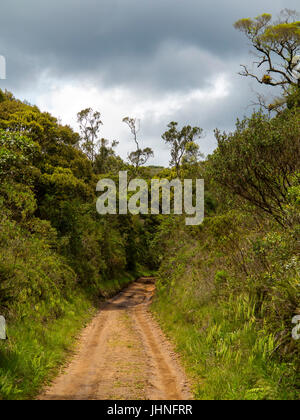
140 156
18 199
184 149
36 350
90 124
229 288
258 160
227 298
106 160
16 151
57 255
277 47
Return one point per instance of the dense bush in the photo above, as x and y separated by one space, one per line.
57 255
258 160
229 289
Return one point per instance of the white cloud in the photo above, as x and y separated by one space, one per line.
64 98
153 60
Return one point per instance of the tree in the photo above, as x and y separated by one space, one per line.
89 124
277 46
106 160
258 161
41 127
183 144
140 156
17 153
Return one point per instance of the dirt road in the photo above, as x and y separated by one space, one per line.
123 355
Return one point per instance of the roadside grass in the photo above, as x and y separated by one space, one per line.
225 354
35 351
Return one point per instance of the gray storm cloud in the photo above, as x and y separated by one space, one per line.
154 50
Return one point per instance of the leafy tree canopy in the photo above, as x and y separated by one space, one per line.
184 148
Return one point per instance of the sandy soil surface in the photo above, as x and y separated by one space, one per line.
123 355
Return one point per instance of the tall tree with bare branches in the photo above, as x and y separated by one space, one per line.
140 156
277 47
89 124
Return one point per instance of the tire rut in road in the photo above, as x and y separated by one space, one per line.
123 355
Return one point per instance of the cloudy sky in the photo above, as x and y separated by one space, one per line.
156 60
